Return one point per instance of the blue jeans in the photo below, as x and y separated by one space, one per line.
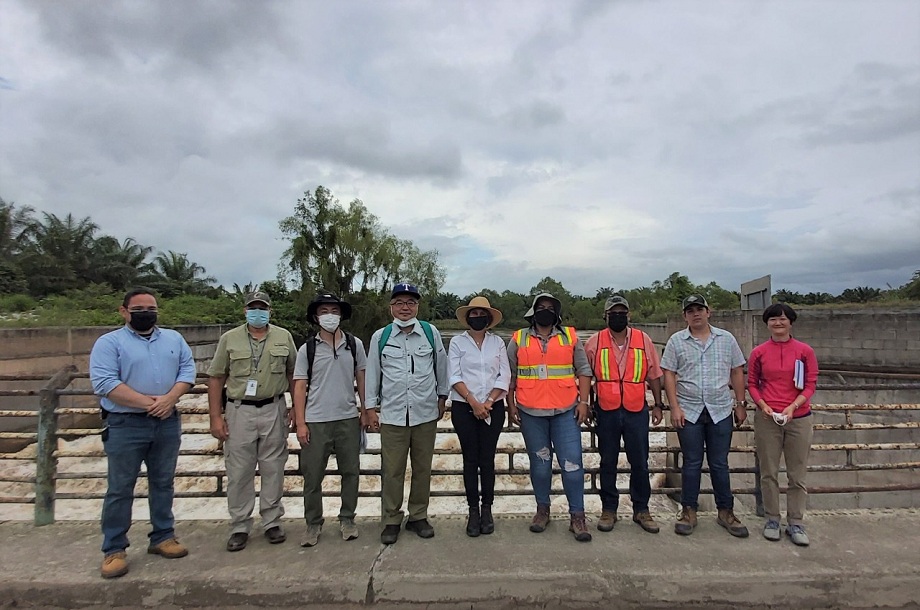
129 440
559 434
632 427
715 440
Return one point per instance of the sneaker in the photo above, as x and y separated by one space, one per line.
486 522
390 534
579 527
420 527
771 530
473 523
797 534
114 565
645 521
349 529
170 549
237 541
729 521
607 521
687 522
540 519
275 535
311 536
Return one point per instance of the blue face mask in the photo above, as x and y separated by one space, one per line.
257 318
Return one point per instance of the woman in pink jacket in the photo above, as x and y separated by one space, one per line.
782 375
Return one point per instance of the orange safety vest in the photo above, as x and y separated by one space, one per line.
546 380
613 392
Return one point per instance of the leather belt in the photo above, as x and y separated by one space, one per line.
258 404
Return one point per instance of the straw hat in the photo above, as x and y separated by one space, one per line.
479 303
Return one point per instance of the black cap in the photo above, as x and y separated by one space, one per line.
694 299
404 288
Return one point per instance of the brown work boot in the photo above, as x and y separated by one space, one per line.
579 527
540 519
114 564
607 521
646 522
729 521
170 549
687 522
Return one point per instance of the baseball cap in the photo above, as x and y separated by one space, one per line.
404 288
258 295
694 299
615 300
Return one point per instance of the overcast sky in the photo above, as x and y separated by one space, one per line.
600 143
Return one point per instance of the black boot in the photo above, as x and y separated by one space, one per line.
486 524
472 522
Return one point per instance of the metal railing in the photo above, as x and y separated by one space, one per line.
48 433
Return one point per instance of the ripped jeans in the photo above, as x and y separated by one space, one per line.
559 435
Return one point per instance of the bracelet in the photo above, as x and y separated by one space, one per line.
584 402
490 399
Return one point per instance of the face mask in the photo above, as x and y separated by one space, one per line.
142 321
780 419
545 317
478 322
404 323
329 321
617 322
257 318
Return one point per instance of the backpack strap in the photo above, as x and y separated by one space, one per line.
350 345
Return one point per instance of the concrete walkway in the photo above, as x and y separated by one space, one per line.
858 559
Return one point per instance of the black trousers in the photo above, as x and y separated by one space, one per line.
478 441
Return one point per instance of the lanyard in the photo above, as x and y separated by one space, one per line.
252 348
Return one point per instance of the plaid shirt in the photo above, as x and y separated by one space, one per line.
703 372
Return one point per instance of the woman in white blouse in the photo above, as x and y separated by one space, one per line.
479 378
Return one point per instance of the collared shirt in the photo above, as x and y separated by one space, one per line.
703 371
331 393
240 357
651 354
148 366
403 380
481 370
581 365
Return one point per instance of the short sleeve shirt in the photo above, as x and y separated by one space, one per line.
268 361
331 393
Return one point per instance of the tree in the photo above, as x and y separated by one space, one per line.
173 274
911 290
788 296
444 305
118 264
57 254
860 294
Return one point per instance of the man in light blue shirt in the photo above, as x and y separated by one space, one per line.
406 382
703 366
140 372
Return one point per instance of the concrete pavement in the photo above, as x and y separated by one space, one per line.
858 559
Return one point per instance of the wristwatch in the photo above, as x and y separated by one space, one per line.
658 405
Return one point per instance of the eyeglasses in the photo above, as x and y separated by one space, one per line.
140 309
404 303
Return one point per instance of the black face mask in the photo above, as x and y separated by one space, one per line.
478 322
544 317
142 321
617 322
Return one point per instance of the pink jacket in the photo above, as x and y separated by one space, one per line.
770 374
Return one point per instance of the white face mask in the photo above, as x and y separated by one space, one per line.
404 323
329 321
780 419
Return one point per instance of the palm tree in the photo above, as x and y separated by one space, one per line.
57 253
14 226
172 274
119 264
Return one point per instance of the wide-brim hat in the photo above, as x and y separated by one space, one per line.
479 303
557 305
327 297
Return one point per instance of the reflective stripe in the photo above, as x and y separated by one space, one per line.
605 364
553 371
638 365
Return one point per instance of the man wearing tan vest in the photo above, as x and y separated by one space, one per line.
624 360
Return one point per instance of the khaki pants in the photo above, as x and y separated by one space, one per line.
793 441
257 436
396 444
343 438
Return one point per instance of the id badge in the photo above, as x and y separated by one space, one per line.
541 371
251 386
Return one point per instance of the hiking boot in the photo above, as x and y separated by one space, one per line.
114 565
311 536
797 534
170 549
486 522
275 535
237 541
420 527
729 521
473 523
607 521
390 534
349 529
540 519
645 521
579 527
771 530
687 522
